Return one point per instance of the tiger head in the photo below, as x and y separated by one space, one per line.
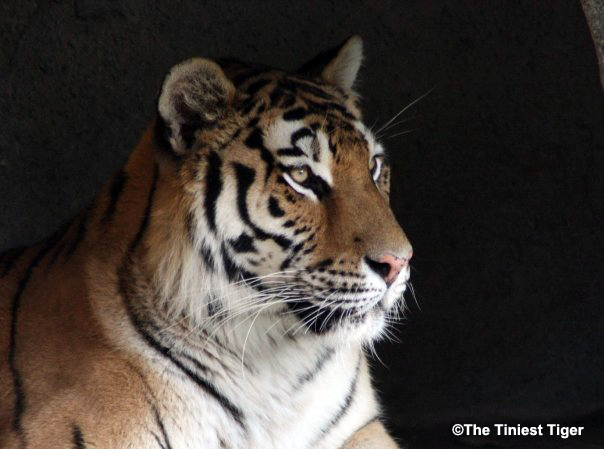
285 191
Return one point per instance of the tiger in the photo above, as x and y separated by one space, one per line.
223 289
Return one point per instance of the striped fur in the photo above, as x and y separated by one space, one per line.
220 291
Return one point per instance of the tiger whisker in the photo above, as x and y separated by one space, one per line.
401 133
237 310
246 338
329 315
247 309
393 124
315 315
402 111
412 290
253 298
300 310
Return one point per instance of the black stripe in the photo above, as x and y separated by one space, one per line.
204 250
256 86
55 254
141 328
330 108
214 306
151 400
310 250
117 186
230 140
147 213
243 244
62 243
248 105
206 255
345 405
274 208
158 441
12 352
213 188
323 264
286 264
77 437
10 258
308 376
319 186
288 102
162 428
191 227
308 87
204 384
81 233
292 152
302 230
332 147
276 95
295 114
200 366
301 134
245 178
231 269
255 141
253 122
297 247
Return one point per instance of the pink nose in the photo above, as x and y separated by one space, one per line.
389 266
395 265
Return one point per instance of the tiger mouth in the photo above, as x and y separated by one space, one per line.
323 308
320 317
320 320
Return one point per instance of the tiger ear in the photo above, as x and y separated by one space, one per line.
196 93
339 65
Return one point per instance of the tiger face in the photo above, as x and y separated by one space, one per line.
288 189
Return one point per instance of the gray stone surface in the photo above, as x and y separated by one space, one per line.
594 12
500 187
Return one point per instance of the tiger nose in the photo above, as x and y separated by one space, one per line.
388 266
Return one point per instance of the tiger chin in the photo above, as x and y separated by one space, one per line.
220 291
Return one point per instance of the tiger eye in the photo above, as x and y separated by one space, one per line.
375 165
299 174
372 164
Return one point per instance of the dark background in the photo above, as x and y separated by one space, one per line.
500 186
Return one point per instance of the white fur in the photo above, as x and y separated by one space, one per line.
268 350
279 136
280 412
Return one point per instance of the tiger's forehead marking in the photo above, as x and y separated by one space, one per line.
375 148
296 143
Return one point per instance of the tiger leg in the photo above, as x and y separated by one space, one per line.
371 436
